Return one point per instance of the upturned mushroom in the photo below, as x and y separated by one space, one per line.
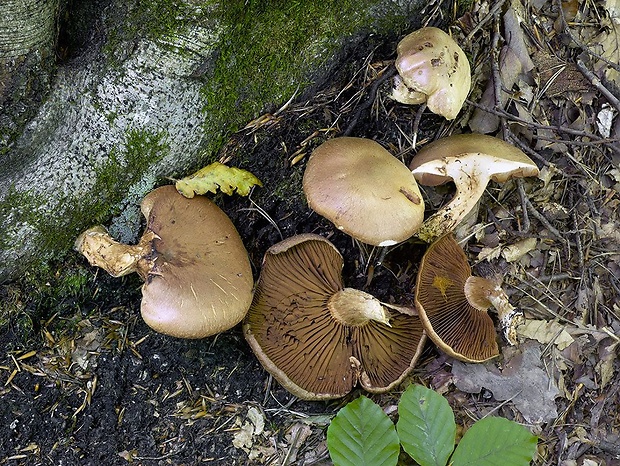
432 68
471 161
364 190
319 339
453 304
196 272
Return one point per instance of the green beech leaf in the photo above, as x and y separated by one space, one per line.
218 176
495 440
426 426
361 434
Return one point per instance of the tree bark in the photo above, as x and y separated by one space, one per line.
133 109
27 42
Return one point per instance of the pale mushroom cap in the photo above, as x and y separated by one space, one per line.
443 160
200 282
364 190
430 63
471 161
451 322
292 330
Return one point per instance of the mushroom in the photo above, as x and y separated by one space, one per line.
432 68
364 190
320 339
196 272
453 304
470 161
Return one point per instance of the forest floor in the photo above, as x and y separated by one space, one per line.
83 381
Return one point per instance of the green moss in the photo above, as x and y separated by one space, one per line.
156 20
124 168
269 48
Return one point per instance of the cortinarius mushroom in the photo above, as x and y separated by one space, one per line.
196 272
470 161
433 69
453 304
364 190
319 339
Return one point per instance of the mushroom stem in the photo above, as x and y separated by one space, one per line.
450 215
356 308
116 258
482 293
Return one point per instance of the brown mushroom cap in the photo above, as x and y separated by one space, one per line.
433 69
457 327
319 339
364 190
470 161
197 276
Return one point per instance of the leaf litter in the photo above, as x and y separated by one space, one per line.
107 387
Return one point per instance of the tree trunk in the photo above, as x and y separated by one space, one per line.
152 94
27 33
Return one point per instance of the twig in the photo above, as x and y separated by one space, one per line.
496 76
596 82
498 5
581 45
542 219
369 100
525 148
561 129
525 225
416 124
580 255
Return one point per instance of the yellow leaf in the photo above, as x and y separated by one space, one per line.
218 176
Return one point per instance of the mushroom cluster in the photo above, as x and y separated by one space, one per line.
197 275
320 339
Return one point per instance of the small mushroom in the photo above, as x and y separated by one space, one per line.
320 339
453 304
470 161
432 68
364 190
196 272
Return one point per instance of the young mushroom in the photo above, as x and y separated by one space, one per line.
471 161
196 272
319 339
453 304
364 190
432 68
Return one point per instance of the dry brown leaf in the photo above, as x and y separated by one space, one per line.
558 77
546 332
606 365
516 251
522 381
608 42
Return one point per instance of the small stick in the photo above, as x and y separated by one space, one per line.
369 100
498 5
525 226
416 123
581 45
496 76
596 82
542 219
580 256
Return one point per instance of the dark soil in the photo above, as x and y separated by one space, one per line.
83 381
